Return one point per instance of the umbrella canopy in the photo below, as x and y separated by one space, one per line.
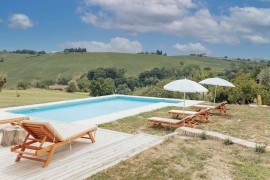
216 82
185 85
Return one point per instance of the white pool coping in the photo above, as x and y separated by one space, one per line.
113 116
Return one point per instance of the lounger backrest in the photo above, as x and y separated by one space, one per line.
203 111
189 118
221 104
56 131
39 131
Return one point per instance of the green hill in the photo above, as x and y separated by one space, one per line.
32 67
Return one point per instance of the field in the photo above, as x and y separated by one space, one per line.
195 158
52 66
9 98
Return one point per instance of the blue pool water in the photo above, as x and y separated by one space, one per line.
80 110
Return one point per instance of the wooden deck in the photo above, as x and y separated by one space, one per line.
79 160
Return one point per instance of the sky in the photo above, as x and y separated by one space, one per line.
233 28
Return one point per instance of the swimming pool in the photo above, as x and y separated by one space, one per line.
93 107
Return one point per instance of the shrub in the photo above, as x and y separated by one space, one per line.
101 87
260 148
84 84
72 86
203 135
123 89
228 141
23 85
63 80
3 80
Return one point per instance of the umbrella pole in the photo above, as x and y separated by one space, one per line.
215 95
184 102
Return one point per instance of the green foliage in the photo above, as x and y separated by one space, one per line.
260 148
264 77
84 84
63 80
246 89
72 86
48 82
101 87
112 73
3 80
23 85
228 141
123 89
203 136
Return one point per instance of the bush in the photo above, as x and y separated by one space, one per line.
3 80
260 148
72 86
23 85
203 135
84 84
101 87
228 141
63 80
123 89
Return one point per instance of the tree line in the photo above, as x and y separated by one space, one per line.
71 50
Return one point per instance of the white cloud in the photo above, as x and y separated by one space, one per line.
20 21
256 39
183 18
116 44
191 48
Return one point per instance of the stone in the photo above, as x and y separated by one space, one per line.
13 135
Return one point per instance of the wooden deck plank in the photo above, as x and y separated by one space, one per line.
83 160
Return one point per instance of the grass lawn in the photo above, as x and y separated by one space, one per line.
196 158
8 98
191 159
242 121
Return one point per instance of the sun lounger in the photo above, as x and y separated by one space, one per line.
203 115
221 108
6 117
45 137
187 121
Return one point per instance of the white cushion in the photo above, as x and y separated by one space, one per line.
4 116
63 131
166 120
183 112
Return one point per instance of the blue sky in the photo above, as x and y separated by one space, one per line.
236 28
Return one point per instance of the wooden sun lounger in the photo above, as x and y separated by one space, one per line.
187 121
221 108
14 119
203 115
42 133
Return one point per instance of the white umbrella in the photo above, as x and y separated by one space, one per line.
216 82
185 85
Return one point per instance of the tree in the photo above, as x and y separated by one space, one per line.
123 89
72 86
264 77
3 80
84 84
23 85
101 87
245 90
63 80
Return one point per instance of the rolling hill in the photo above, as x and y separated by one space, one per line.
48 66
